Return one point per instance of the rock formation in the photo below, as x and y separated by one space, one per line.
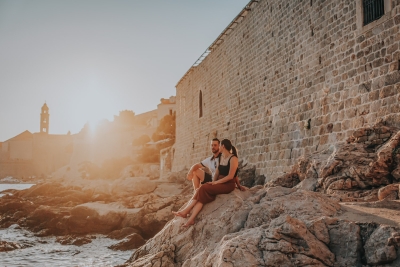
271 227
366 168
132 207
296 219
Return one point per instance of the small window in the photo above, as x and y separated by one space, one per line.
170 112
373 10
200 104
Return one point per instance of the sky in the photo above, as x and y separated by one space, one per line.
90 59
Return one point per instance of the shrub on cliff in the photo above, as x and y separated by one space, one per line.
166 128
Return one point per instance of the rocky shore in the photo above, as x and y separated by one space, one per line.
337 207
130 209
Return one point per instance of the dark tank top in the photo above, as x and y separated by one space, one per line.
224 169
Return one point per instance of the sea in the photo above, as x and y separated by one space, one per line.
45 251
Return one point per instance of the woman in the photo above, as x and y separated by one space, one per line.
223 183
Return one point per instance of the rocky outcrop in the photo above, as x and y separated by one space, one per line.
132 203
130 242
10 246
366 168
249 178
75 240
274 226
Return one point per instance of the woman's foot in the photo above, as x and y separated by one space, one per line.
179 214
188 224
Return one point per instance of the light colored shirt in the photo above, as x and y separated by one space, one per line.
211 164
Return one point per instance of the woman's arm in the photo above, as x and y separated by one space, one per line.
239 186
234 163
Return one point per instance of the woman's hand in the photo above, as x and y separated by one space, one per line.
213 183
243 188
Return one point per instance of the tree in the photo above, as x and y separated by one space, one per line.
166 128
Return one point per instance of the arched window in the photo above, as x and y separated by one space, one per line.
200 104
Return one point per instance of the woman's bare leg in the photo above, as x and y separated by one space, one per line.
183 213
196 209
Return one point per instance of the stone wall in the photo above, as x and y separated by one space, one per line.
291 78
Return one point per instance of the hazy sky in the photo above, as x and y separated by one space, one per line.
90 59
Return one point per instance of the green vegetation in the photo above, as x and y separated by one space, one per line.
166 129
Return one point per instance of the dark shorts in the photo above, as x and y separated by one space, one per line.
207 178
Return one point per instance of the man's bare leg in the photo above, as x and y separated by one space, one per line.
197 178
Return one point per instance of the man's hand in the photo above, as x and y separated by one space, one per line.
189 176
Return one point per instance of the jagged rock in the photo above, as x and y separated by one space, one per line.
353 171
132 241
163 258
9 246
273 226
309 184
132 186
289 235
75 240
177 177
288 180
345 243
93 218
124 232
389 192
227 232
378 248
279 201
246 176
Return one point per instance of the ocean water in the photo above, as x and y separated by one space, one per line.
14 186
45 251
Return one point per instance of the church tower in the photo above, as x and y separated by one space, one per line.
44 119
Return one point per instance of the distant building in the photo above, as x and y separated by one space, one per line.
166 107
29 154
42 153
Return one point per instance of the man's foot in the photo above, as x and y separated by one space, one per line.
179 214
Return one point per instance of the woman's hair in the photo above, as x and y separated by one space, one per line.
228 145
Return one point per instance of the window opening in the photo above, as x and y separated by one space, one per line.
200 104
373 10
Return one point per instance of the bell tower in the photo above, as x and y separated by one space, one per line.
44 119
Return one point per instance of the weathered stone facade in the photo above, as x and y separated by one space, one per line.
291 78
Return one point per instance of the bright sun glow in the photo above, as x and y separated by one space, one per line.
93 106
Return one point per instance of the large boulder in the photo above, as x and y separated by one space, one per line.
353 171
132 241
132 186
274 226
95 218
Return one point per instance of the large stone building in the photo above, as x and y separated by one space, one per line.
35 154
287 78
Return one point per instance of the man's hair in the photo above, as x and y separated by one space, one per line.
216 139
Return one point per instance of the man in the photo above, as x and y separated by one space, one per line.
200 176
197 173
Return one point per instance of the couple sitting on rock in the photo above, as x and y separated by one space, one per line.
223 179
